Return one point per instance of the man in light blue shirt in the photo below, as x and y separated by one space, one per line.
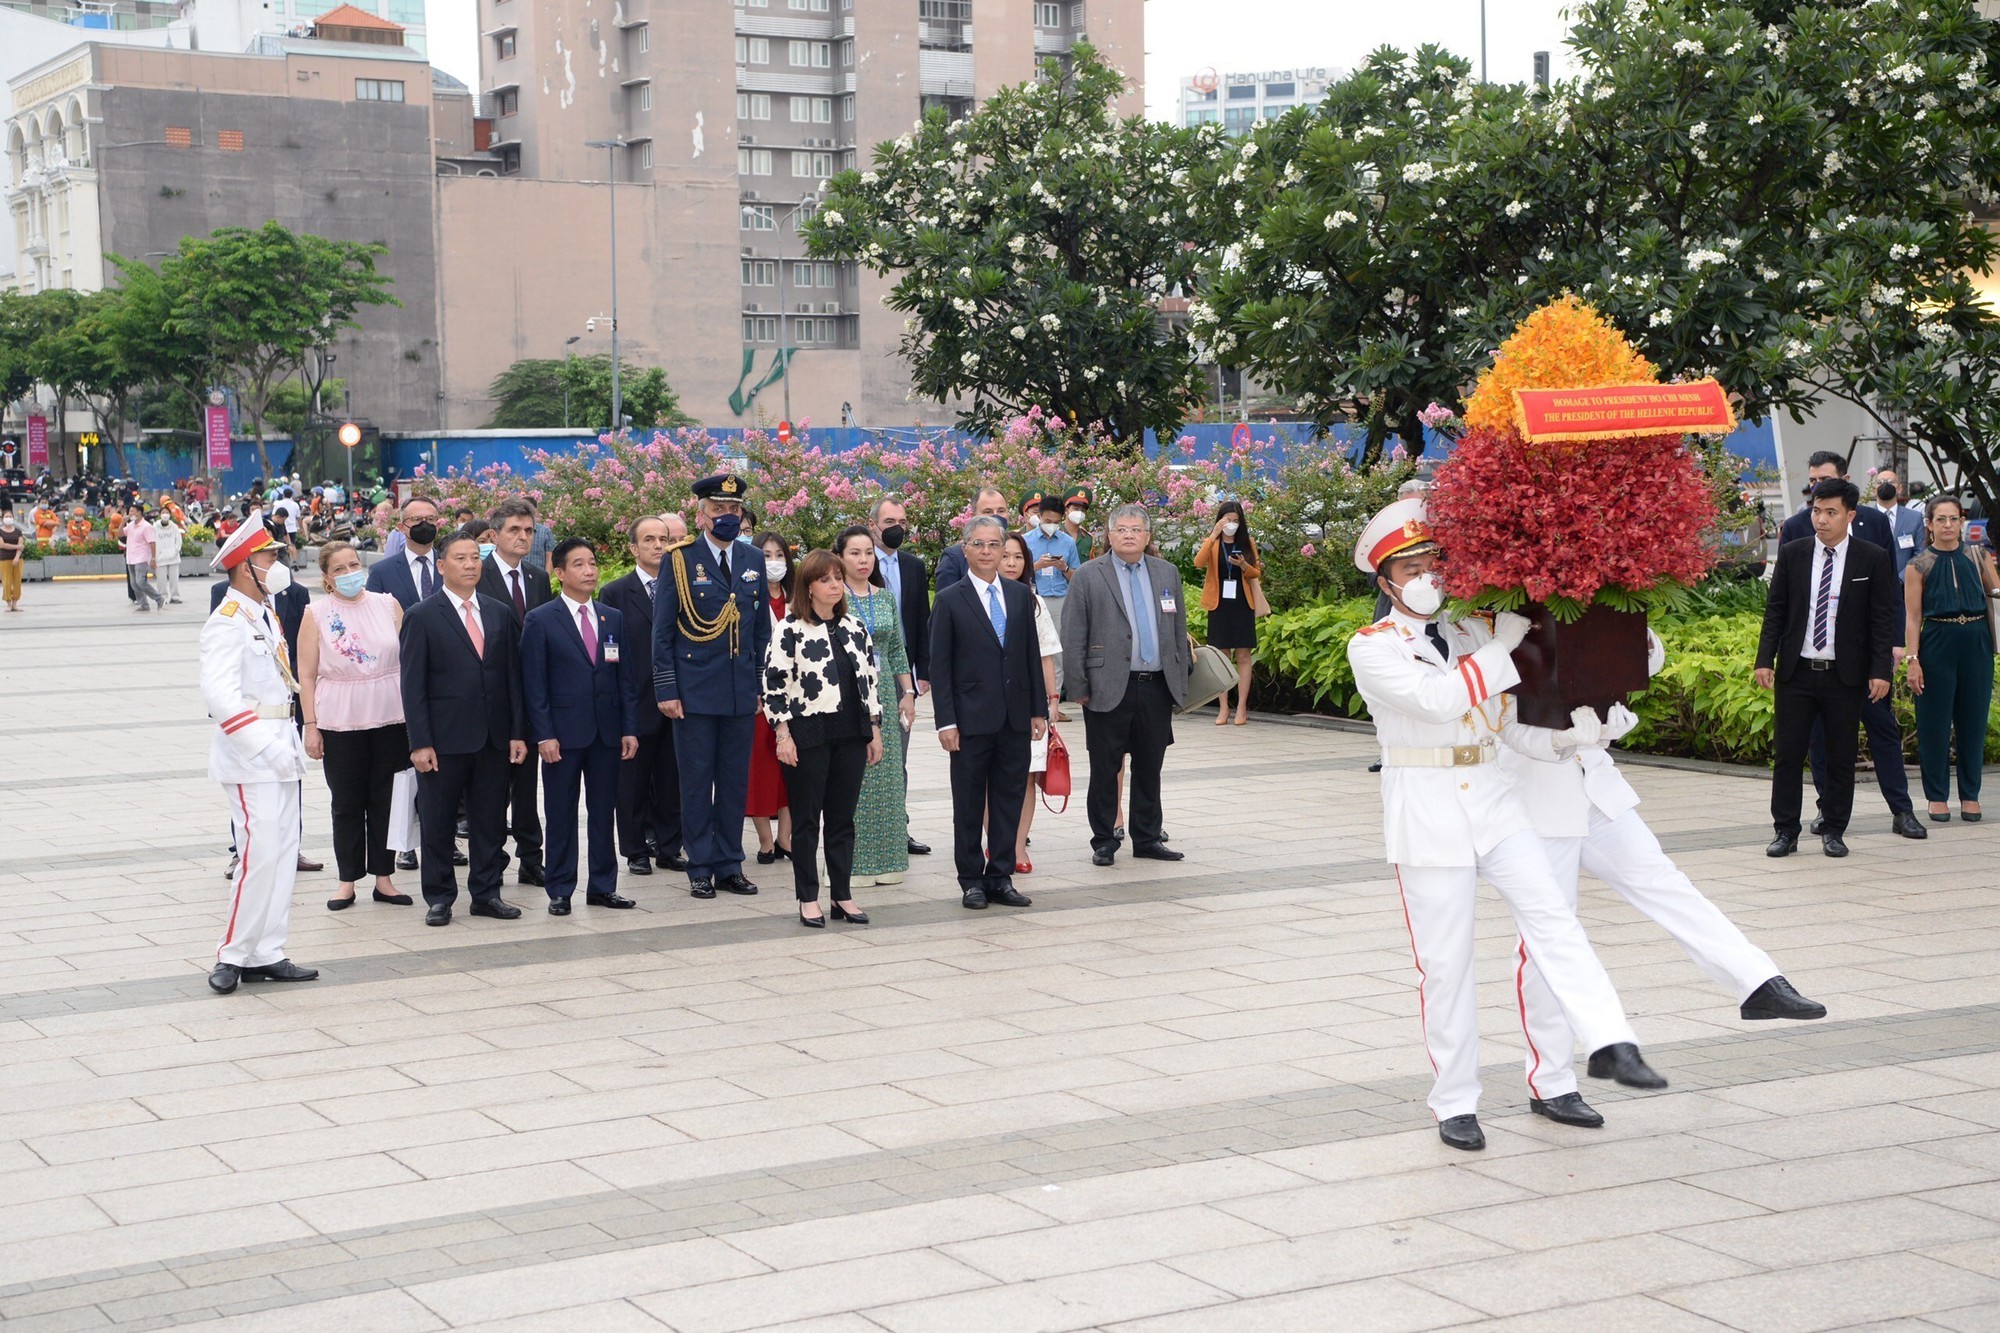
1056 560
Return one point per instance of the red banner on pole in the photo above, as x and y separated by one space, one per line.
1622 411
38 441
218 437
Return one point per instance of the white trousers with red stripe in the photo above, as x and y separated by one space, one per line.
265 819
1439 903
1622 851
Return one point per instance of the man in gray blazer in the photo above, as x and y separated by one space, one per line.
1125 652
1906 521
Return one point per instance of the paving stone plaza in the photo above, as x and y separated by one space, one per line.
1181 1097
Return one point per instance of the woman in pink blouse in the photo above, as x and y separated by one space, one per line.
350 695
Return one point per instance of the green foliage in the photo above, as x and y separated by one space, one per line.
1305 648
1031 242
291 404
546 394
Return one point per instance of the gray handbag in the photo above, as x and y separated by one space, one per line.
1214 674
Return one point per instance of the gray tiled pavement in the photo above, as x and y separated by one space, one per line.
1173 1097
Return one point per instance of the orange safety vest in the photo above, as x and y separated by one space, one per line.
79 531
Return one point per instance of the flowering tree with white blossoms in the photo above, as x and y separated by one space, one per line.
1032 241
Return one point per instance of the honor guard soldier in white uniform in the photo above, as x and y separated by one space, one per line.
1586 815
1450 817
257 756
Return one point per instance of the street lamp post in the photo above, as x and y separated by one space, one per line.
569 357
611 147
784 307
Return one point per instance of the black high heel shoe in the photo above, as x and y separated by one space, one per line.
769 858
847 914
781 853
815 922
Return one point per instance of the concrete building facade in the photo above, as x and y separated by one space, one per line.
1238 102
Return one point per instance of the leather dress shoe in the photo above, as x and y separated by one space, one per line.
558 907
1462 1132
638 865
1103 858
1832 844
309 865
463 829
1777 999
459 858
701 886
608 900
671 860
282 970
1907 825
532 873
230 873
919 848
1818 826
223 979
1008 896
339 904
1159 851
438 914
406 860
1621 1063
1568 1109
498 909
394 899
1118 834
1783 845
842 912
975 899
736 884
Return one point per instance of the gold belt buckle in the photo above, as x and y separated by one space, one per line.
1462 755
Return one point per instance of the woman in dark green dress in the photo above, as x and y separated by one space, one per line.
882 832
1945 595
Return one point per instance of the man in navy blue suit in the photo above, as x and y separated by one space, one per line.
951 565
582 695
1878 716
410 572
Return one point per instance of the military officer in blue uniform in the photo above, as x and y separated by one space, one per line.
710 629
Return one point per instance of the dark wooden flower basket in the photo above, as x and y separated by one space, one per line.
1598 659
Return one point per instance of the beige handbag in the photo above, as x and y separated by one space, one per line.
1212 675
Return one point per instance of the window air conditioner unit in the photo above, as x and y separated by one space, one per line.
750 140
754 308
830 308
752 195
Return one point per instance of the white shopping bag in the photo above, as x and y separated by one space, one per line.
404 831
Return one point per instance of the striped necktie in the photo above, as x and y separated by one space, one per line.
1824 601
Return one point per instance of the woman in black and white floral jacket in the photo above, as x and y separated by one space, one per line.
819 694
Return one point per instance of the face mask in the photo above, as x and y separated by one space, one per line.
1423 595
276 578
351 583
1886 493
424 533
724 527
774 570
1048 527
485 549
1076 517
892 536
1230 529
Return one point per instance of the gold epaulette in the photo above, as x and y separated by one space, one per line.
229 608
685 541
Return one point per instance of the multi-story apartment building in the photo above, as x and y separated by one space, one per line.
234 25
1238 101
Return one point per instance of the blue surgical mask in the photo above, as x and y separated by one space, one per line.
485 549
724 527
350 584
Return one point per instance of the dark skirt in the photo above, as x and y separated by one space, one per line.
1232 624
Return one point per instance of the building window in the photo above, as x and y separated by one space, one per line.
847 55
753 161
815 6
812 110
812 166
645 36
847 109
646 155
1048 16
753 50
753 106
645 97
229 141
759 217
506 42
1239 92
1202 116
1239 119
760 328
384 90
811 55
1280 89
760 273
510 101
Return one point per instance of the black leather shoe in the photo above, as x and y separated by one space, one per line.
608 900
1907 825
459 858
1119 834
282 970
1818 826
1008 896
671 861
498 909
811 922
558 907
919 848
1462 1132
1159 851
736 884
406 860
533 874
394 899
1776 999
638 865
769 858
1103 858
702 887
339 904
464 830
1783 845
975 899
1621 1063
438 914
223 979
1832 844
1568 1109
841 913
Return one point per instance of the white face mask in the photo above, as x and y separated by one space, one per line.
1230 528
1048 527
1076 516
1422 595
774 569
276 579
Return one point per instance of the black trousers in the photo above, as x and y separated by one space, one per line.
481 780
649 796
824 789
1141 727
525 822
1885 744
989 778
361 769
1808 700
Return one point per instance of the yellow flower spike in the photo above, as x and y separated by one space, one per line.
1564 345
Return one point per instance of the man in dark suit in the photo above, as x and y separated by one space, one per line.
1906 521
461 669
1828 644
989 501
509 576
582 705
1125 628
649 783
1885 736
991 703
903 575
409 572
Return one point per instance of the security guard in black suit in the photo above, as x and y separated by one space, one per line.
710 629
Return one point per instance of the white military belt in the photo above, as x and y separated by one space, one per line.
273 712
1438 756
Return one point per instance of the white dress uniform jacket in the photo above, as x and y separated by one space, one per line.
245 687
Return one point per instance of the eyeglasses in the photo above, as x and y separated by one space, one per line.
983 546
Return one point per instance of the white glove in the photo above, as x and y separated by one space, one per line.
1583 731
1619 723
1510 629
1656 653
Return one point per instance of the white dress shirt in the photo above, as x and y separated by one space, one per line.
573 609
1821 553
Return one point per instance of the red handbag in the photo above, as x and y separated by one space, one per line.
1054 777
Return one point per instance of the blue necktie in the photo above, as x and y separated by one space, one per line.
995 613
1142 619
430 579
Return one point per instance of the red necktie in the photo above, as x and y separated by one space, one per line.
520 602
589 634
